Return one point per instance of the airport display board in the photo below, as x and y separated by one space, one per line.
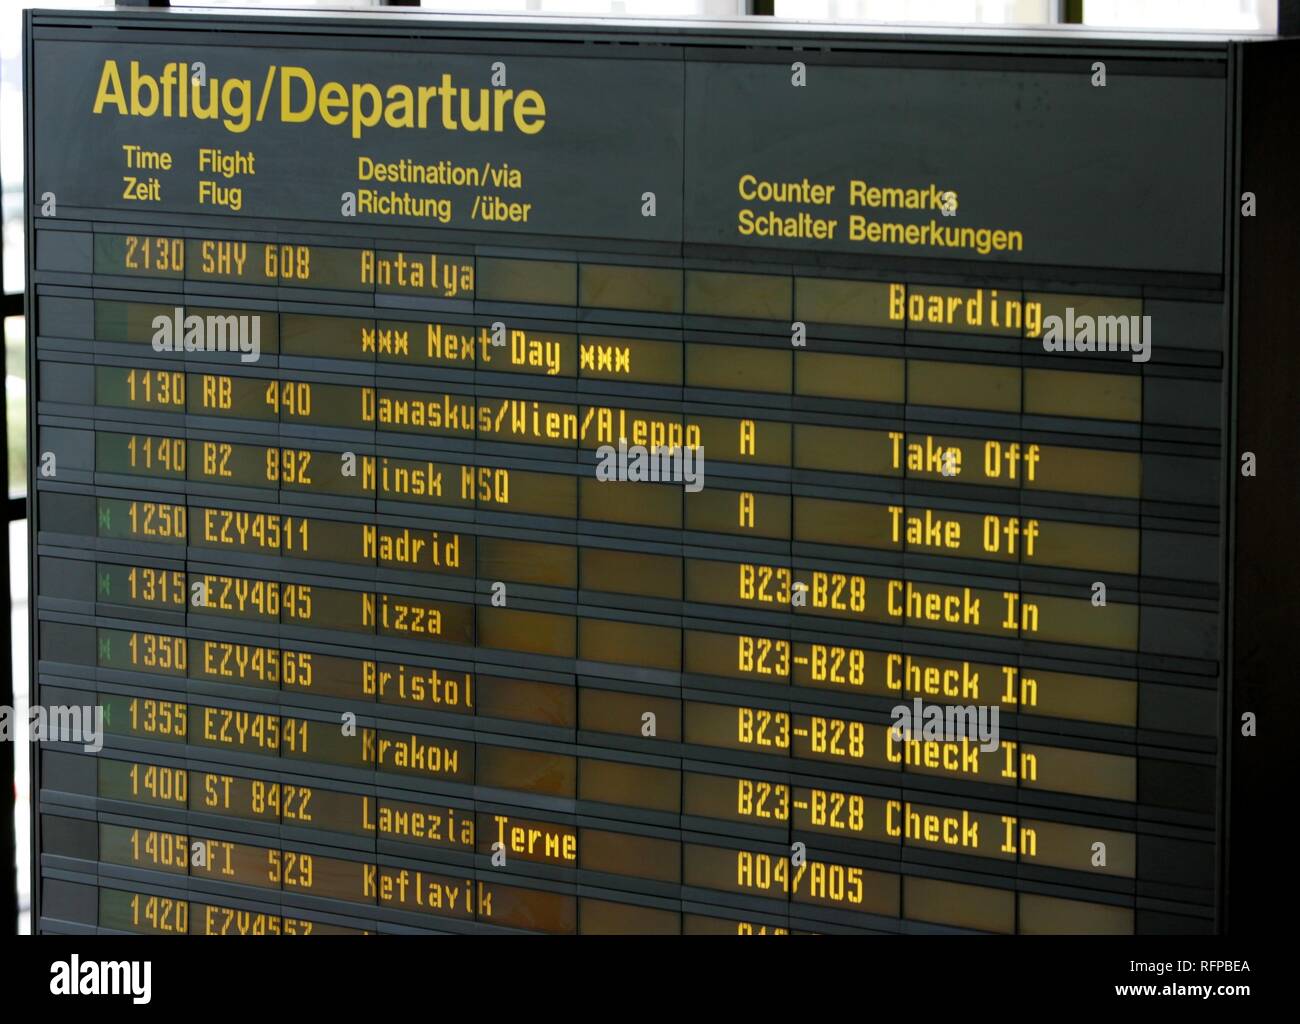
364 352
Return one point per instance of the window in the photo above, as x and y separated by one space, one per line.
953 12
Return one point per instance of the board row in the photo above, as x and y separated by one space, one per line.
294 891
897 304
467 550
488 616
717 451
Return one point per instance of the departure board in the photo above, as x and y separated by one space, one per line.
675 479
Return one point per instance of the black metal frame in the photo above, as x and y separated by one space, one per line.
16 508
